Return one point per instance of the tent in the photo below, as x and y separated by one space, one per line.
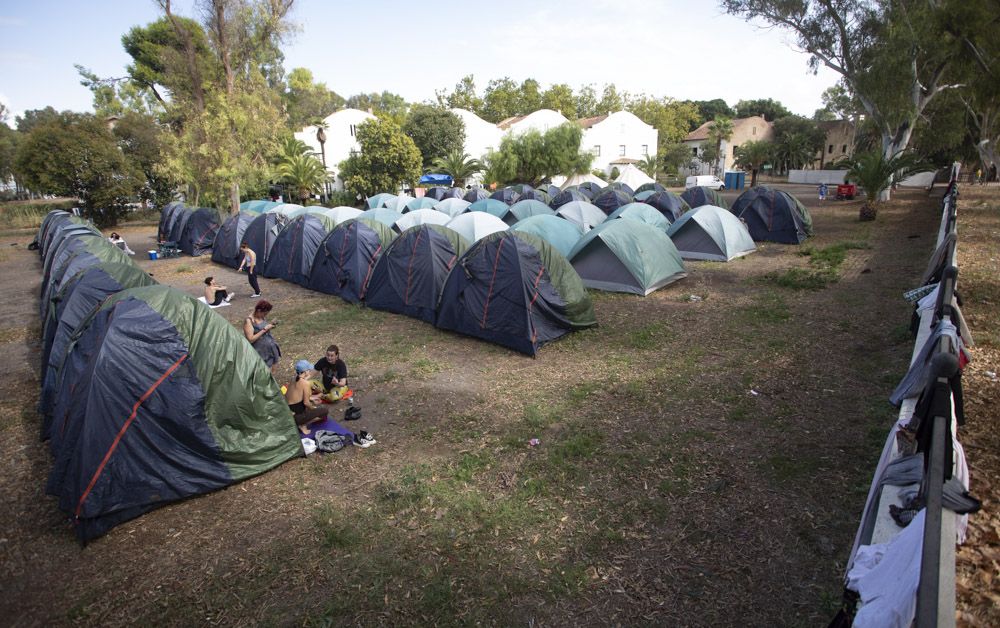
587 183
199 232
536 195
60 240
75 300
379 200
668 203
561 234
584 214
491 206
452 206
71 254
180 219
346 257
179 404
168 216
634 178
549 189
627 256
261 233
516 290
455 193
568 196
643 213
294 249
384 215
421 217
420 203
773 215
398 203
437 193
521 188
409 275
226 249
435 179
341 213
649 187
711 233
475 194
621 187
506 195
475 225
701 195
257 207
292 210
524 209
611 199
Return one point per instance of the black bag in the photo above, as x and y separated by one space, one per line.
329 442
353 413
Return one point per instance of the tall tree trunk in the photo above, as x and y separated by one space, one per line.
234 198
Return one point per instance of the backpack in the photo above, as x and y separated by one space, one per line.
329 442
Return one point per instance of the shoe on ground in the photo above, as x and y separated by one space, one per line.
255 296
360 442
228 298
366 437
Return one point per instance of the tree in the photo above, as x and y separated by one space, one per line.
586 102
304 174
463 97
76 155
559 97
753 155
838 104
458 165
720 131
710 110
533 157
144 142
797 140
9 139
874 174
436 132
501 100
530 98
675 156
388 159
611 101
117 96
385 105
306 100
768 108
892 56
650 165
27 121
672 119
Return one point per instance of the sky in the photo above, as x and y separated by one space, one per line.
681 49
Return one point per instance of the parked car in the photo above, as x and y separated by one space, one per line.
705 180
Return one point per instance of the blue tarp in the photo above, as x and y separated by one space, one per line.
436 179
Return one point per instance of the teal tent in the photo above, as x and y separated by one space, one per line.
711 233
627 256
561 234
643 213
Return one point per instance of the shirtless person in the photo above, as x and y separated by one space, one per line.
250 263
298 398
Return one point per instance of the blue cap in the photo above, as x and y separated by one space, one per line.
302 366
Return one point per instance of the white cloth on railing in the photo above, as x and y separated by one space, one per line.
915 380
929 302
886 577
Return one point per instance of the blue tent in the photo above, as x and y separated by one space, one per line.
384 215
379 199
409 275
507 195
420 203
295 247
261 233
491 206
168 215
256 207
590 188
568 195
516 290
773 215
226 249
536 195
623 187
525 208
649 187
701 195
611 199
436 179
668 204
475 194
345 258
455 193
560 233
437 193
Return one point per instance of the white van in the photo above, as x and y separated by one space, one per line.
705 180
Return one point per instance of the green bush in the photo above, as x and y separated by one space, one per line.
343 198
28 215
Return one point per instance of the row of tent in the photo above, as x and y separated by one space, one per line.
147 396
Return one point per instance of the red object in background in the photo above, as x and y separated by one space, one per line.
846 191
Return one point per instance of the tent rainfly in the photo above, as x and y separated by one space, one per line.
585 215
701 195
345 258
560 233
773 215
643 213
627 256
294 249
226 249
475 225
452 206
711 233
261 233
421 217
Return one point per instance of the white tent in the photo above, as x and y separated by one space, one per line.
633 177
475 225
422 217
577 179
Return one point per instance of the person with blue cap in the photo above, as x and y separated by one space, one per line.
298 394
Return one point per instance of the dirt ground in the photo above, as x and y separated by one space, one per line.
703 462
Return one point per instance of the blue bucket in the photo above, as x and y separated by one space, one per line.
152 255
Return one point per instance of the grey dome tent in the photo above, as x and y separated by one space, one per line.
701 195
74 253
711 233
627 256
168 215
475 225
668 204
437 193
454 192
649 187
398 203
525 208
516 290
773 215
475 194
536 195
378 200
226 249
346 257
261 233
568 195
621 187
410 273
549 189
384 215
611 199
179 222
294 249
452 206
421 217
179 404
506 195
643 213
423 202
560 233
582 213
490 206
591 188
343 214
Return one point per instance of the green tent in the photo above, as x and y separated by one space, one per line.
627 256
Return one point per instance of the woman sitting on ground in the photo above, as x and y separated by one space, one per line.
118 241
258 331
214 293
298 395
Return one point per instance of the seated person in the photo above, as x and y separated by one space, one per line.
334 372
118 241
297 395
214 293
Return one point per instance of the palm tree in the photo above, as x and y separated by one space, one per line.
753 155
875 174
650 165
291 147
458 165
304 174
720 131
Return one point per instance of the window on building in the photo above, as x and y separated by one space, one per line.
621 150
755 130
645 150
694 151
843 148
829 149
596 150
352 130
734 149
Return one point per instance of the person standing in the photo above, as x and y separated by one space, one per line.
258 332
250 263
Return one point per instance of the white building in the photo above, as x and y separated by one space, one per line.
480 136
341 138
620 136
541 121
